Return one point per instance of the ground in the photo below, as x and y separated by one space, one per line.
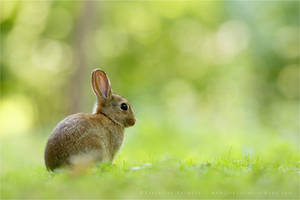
231 174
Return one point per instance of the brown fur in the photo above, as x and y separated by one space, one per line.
98 136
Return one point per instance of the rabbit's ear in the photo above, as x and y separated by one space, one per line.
101 85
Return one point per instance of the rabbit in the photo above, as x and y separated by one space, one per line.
95 137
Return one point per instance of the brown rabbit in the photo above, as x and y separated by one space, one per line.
96 136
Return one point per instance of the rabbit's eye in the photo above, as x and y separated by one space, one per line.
124 106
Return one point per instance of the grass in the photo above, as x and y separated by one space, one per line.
166 178
148 172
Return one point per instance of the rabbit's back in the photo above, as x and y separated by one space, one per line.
82 134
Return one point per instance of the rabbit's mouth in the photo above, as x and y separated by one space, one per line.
130 122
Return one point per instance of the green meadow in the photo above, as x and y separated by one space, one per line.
148 167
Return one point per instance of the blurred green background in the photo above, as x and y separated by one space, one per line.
204 78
